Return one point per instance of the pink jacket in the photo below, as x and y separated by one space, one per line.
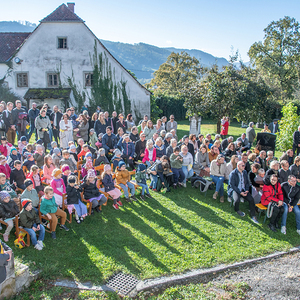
57 183
3 149
146 157
48 173
6 170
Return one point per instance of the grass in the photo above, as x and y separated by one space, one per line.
168 234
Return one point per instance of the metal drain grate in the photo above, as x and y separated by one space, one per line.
122 283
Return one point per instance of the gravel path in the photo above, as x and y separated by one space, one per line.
274 279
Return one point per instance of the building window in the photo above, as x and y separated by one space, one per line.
88 79
62 43
52 80
22 80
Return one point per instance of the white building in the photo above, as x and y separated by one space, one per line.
36 65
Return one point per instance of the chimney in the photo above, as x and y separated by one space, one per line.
71 6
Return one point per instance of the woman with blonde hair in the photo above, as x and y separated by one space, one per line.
100 124
149 130
230 167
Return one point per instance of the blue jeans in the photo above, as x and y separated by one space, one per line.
187 174
153 182
125 189
219 181
32 233
144 186
148 163
178 175
296 211
31 131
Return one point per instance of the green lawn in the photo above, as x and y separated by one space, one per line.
172 233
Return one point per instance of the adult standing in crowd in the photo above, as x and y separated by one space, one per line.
9 123
55 118
121 123
140 147
171 124
32 114
83 127
225 125
100 124
2 124
250 134
17 119
93 120
274 127
130 123
114 122
238 188
43 126
296 141
66 131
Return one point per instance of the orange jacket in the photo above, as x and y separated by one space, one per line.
122 176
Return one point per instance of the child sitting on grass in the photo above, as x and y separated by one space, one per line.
74 199
14 155
5 186
29 161
101 158
22 143
4 167
5 146
51 210
8 210
56 157
91 191
17 175
35 177
140 178
123 179
39 156
109 185
29 220
58 186
66 160
30 193
48 168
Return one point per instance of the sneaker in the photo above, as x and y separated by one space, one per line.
5 237
183 184
97 209
283 229
222 199
133 198
254 220
215 195
128 200
64 227
174 186
272 227
298 231
142 197
78 221
240 213
115 206
38 247
229 199
119 203
154 190
40 243
53 235
81 219
148 195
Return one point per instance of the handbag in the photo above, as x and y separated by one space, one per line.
46 137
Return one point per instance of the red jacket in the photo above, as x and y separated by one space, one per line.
30 176
271 193
6 170
4 149
146 157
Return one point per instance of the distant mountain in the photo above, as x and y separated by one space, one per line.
142 59
14 26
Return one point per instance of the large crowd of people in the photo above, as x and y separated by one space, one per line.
62 170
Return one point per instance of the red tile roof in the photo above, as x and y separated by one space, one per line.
62 13
10 42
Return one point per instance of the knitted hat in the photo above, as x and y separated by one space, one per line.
71 179
23 138
28 183
28 154
65 168
12 149
141 167
56 172
121 163
92 130
107 167
56 151
117 152
89 164
3 195
101 151
53 143
88 154
91 174
72 147
100 135
25 203
40 142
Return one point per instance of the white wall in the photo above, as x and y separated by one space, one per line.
40 55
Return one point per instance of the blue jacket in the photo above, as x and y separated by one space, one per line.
114 140
99 128
160 151
108 183
234 180
32 114
127 148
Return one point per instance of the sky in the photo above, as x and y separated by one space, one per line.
213 26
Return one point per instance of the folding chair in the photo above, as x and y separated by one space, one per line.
21 229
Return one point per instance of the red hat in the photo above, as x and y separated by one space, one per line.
25 202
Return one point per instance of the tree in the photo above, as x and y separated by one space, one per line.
177 72
277 57
288 124
229 92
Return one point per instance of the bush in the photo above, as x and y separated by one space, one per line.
288 124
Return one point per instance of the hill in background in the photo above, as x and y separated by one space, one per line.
142 59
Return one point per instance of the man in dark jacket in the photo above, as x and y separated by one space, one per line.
262 160
32 114
273 126
291 194
114 122
17 175
185 141
9 123
140 147
296 141
109 142
17 121
288 156
226 142
55 118
238 188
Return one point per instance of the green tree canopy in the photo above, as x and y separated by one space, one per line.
277 56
